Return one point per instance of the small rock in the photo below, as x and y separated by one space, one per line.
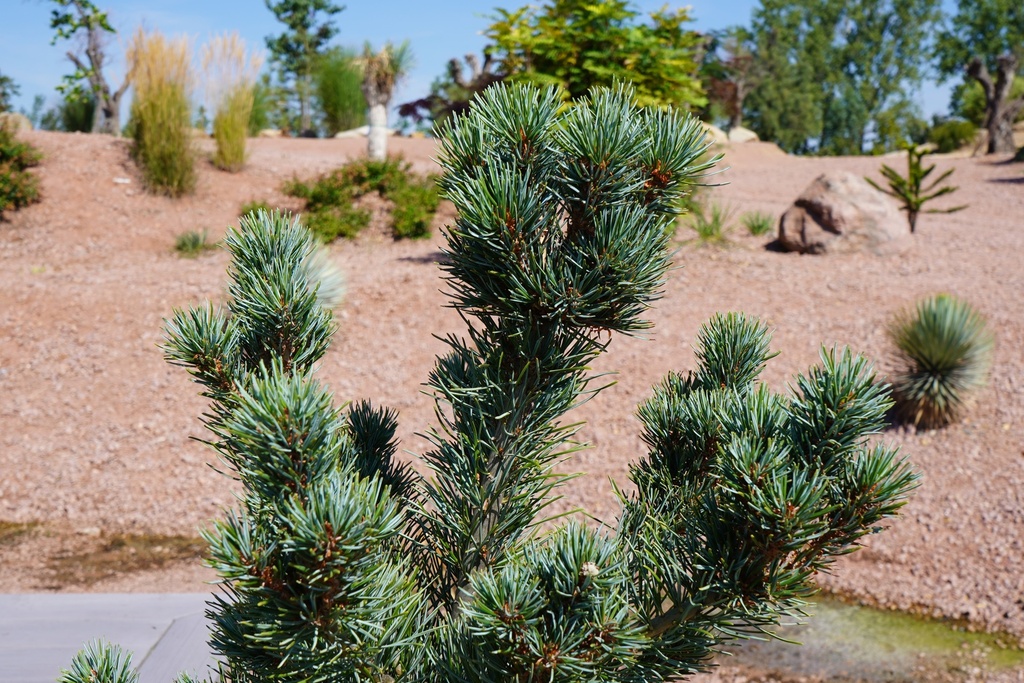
123 181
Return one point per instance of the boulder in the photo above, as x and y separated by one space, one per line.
270 133
19 122
741 134
716 134
839 212
360 132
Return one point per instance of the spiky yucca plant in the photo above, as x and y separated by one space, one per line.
343 563
946 352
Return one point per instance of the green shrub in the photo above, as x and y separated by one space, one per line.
758 223
415 206
952 134
338 84
946 351
19 187
329 210
193 243
72 114
161 113
711 224
331 223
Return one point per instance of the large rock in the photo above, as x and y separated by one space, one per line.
716 134
839 212
360 132
739 134
17 122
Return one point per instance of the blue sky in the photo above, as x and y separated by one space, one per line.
437 30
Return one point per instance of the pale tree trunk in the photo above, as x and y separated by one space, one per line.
1000 111
106 117
378 135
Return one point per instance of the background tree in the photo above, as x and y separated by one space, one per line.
309 28
452 93
343 563
71 17
730 71
580 44
836 74
381 72
984 41
8 90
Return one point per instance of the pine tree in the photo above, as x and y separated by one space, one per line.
344 564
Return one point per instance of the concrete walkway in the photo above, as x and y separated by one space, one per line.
40 633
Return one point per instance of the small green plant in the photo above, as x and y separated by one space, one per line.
329 210
946 351
758 223
193 243
711 223
19 187
910 190
254 206
161 114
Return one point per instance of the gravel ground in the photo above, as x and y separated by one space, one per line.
95 428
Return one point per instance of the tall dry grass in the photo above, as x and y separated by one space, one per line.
231 73
161 113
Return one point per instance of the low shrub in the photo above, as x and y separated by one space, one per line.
758 223
340 221
19 187
329 210
161 113
415 206
192 243
946 352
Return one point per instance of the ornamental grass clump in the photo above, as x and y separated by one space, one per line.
231 73
342 562
161 113
945 350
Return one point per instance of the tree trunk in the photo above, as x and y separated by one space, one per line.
378 136
742 90
106 115
305 88
999 110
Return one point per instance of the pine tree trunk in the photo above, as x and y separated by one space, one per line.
378 136
304 87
